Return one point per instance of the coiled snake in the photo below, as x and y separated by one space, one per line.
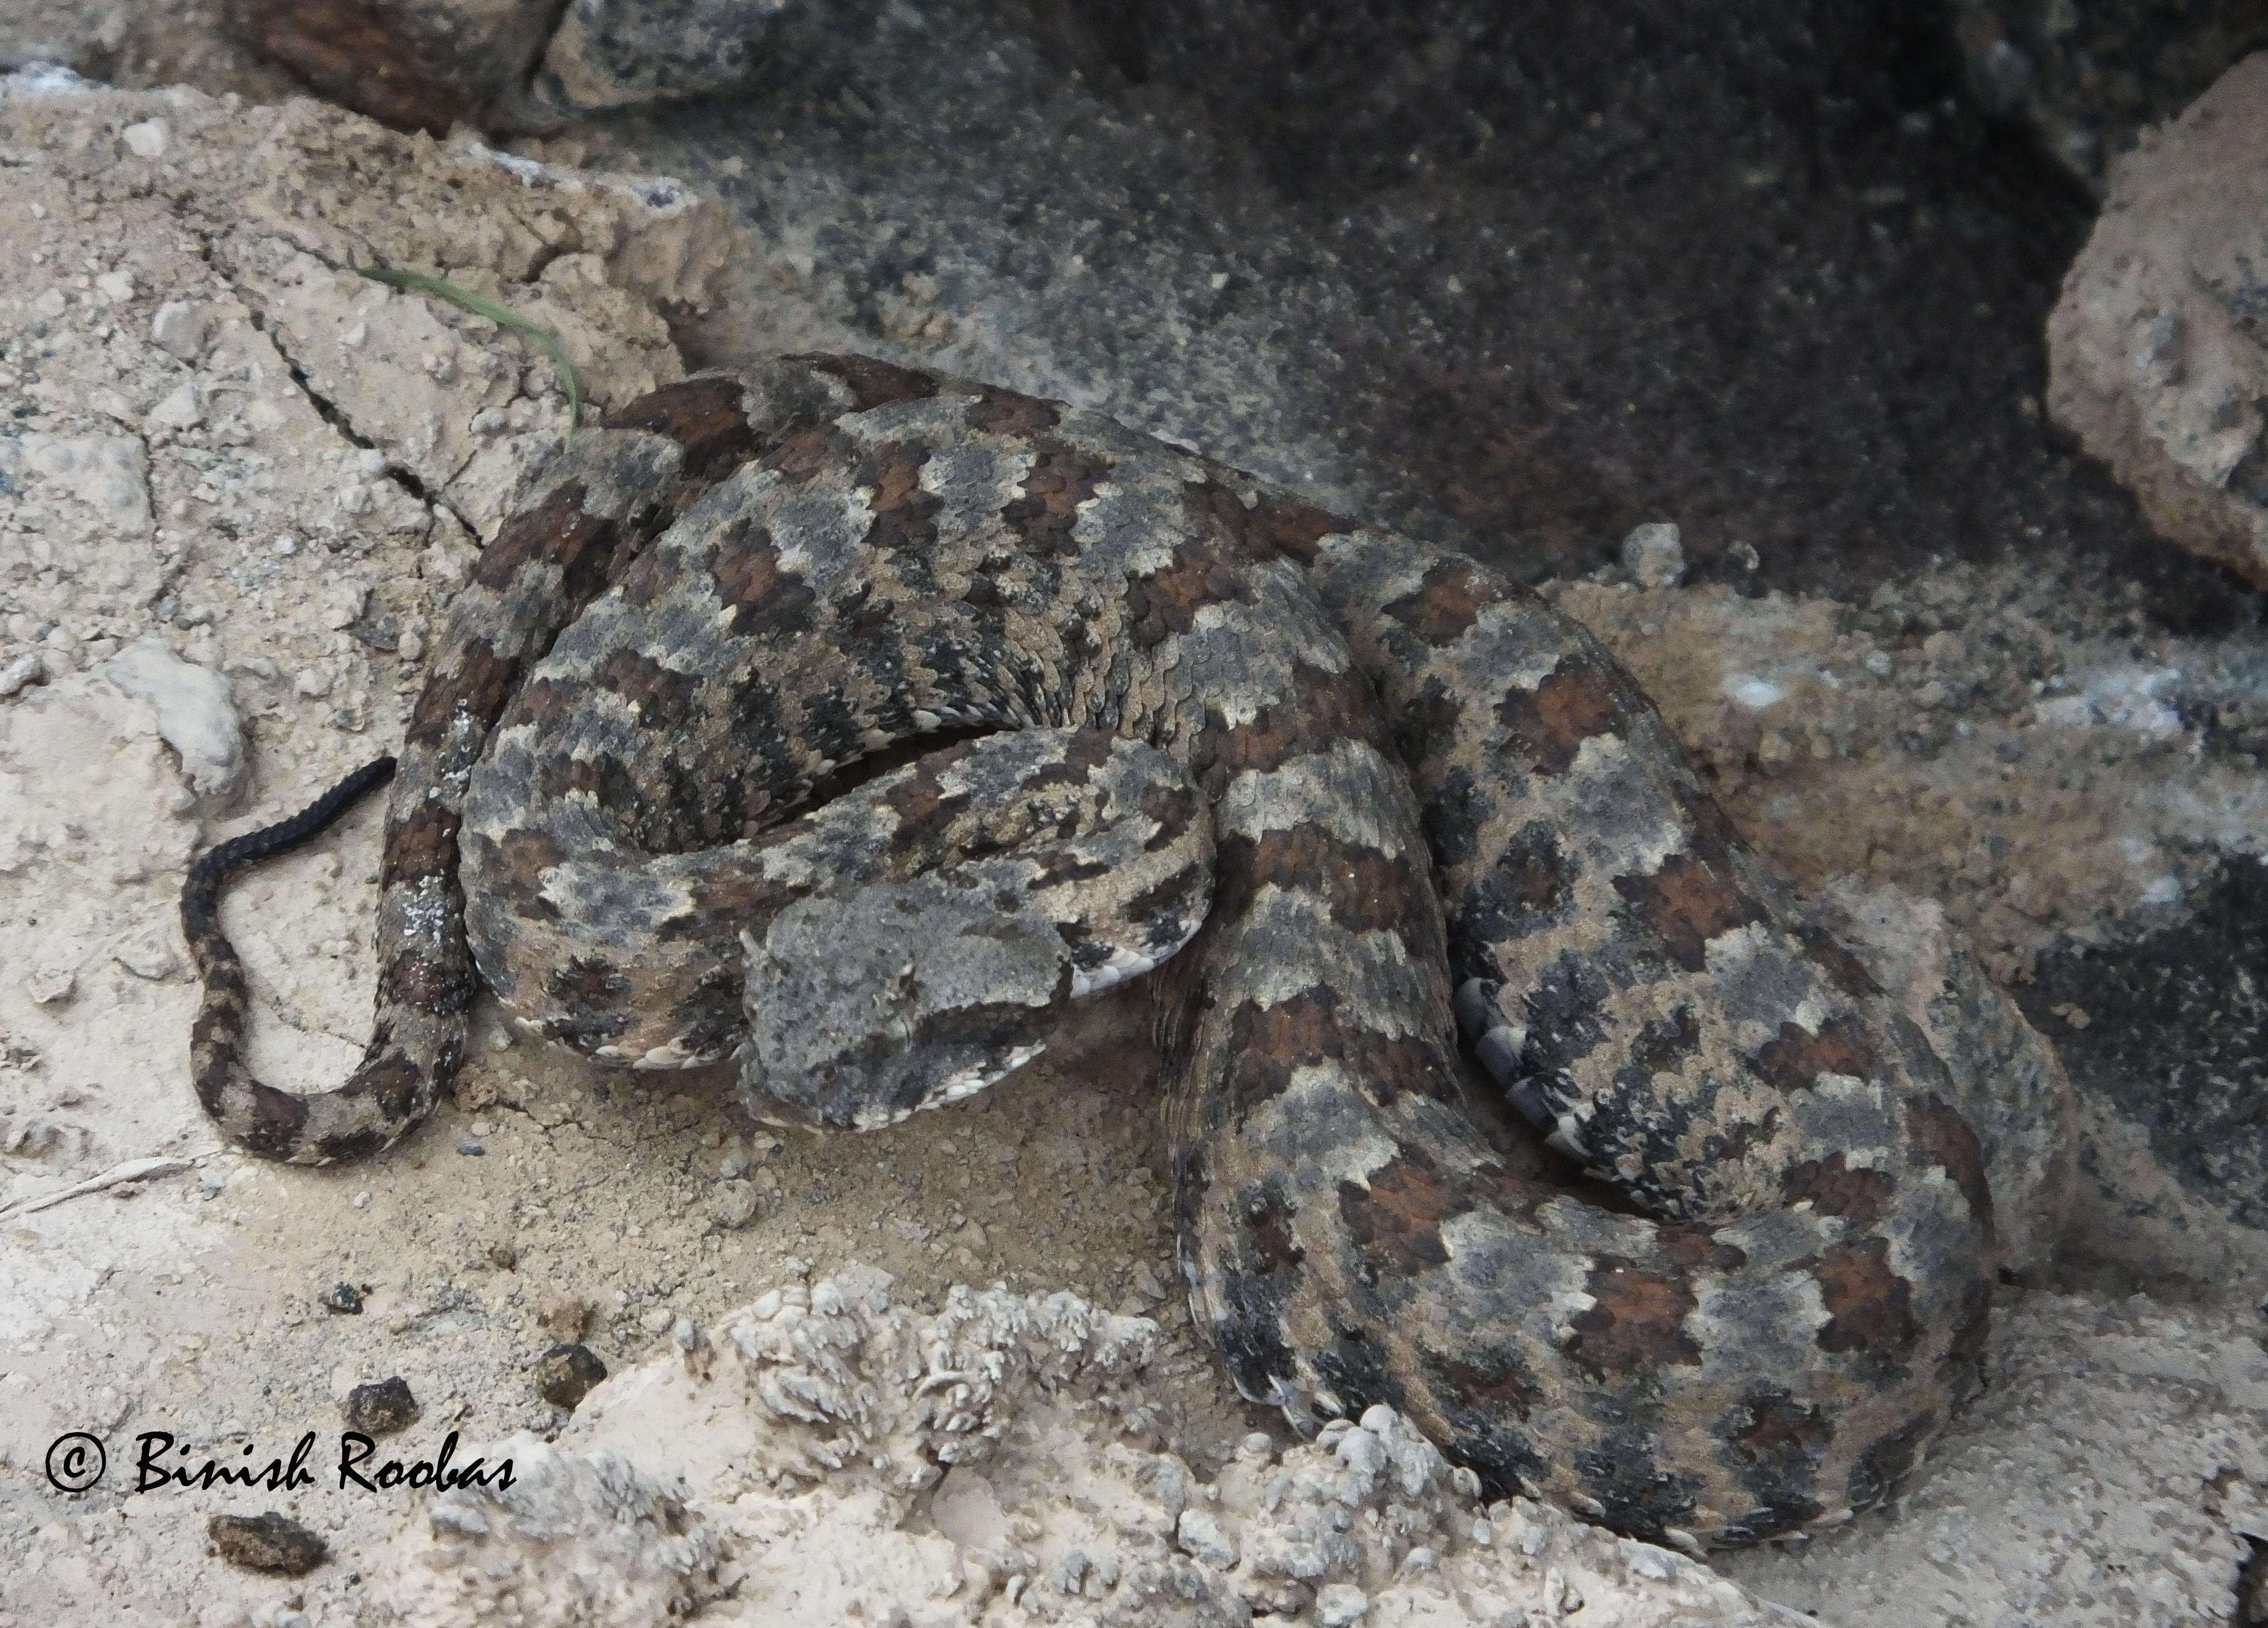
1416 799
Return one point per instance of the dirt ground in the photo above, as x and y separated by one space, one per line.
218 436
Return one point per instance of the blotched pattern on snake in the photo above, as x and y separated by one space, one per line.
1353 792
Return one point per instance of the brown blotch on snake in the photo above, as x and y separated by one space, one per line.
1397 775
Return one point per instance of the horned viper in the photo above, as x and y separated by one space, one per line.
1348 793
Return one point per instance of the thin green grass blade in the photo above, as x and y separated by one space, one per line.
502 316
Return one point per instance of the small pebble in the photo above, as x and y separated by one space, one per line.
341 1298
503 1255
1653 556
269 1543
381 1409
733 1207
179 329
565 1374
563 1316
196 715
1200 1533
471 1149
148 957
25 670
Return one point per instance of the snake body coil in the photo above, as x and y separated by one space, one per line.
1416 799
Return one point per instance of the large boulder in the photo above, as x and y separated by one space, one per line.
2158 351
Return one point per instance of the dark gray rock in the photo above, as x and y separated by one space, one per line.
2166 1038
1497 272
565 1374
343 1298
270 1542
2087 76
381 1408
618 53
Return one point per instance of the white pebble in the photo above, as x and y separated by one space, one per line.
196 715
145 140
178 328
25 670
1202 1536
182 407
1756 694
1654 556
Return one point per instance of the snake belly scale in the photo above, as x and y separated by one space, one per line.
1347 792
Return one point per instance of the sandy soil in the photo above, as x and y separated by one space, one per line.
219 436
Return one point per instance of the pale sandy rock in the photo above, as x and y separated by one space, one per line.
145 139
179 326
580 1538
444 394
826 1454
110 474
2158 351
21 672
196 714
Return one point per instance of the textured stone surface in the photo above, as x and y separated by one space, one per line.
271 1542
614 53
2158 351
1463 267
196 715
2089 76
827 1454
2166 1034
417 63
